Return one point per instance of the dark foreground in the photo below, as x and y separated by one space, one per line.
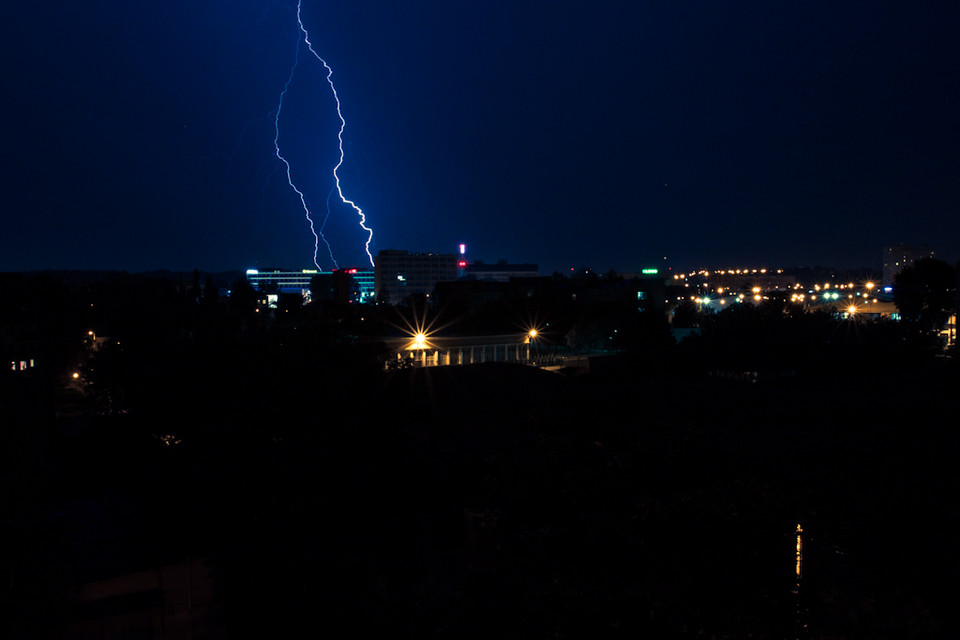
496 501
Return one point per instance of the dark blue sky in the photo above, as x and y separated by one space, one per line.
608 134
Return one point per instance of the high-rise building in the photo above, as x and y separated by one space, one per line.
899 257
400 274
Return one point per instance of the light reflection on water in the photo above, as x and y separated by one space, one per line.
799 551
799 620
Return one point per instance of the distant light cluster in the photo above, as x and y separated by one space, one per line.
717 288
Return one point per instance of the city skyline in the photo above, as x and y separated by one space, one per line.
791 136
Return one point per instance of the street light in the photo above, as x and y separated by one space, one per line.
532 335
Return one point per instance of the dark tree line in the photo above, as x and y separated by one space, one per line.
644 499
926 295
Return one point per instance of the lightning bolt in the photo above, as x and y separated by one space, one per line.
343 125
276 146
318 233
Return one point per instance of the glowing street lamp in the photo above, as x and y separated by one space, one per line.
419 331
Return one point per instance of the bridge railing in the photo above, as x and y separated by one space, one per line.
475 354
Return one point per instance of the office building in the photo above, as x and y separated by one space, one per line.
400 274
899 257
284 281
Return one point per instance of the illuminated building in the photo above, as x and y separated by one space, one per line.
899 257
651 289
400 274
22 365
364 279
283 281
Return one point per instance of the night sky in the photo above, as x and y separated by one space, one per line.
608 134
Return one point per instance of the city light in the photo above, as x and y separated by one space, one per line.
420 331
532 335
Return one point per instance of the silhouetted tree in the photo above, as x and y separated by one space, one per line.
685 315
288 302
243 298
925 294
211 293
321 287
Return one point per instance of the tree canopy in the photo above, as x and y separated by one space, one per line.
925 294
